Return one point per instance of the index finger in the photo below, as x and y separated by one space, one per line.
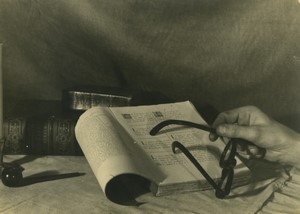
240 116
226 117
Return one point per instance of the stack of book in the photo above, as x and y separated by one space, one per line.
40 127
46 127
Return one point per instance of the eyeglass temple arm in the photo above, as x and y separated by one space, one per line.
243 143
179 146
162 124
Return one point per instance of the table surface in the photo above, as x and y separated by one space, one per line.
271 191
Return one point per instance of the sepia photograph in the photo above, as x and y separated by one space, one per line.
149 106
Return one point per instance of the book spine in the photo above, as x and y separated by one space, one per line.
14 134
63 136
109 100
80 100
41 136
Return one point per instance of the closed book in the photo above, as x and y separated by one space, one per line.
86 97
40 127
83 98
51 136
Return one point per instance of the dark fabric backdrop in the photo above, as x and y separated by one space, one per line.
224 53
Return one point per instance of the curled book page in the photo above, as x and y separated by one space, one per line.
105 147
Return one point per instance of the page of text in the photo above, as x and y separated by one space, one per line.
138 121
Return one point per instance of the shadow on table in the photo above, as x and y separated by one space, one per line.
12 174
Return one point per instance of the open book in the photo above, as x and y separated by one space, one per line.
116 141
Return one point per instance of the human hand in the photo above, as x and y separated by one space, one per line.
282 144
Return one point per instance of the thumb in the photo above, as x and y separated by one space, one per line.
249 133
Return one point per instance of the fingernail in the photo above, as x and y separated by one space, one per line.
253 150
221 129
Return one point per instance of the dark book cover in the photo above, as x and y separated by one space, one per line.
40 127
51 136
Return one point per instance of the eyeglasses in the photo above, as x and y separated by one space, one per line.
227 160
